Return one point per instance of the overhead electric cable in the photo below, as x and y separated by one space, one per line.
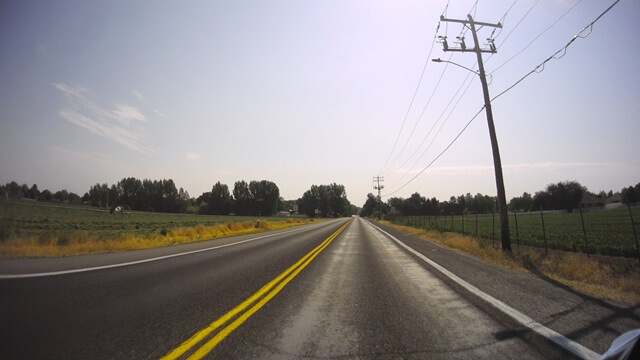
502 21
563 50
464 29
424 68
439 155
437 133
537 37
579 35
519 22
438 120
424 109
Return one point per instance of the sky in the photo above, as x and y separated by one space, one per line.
315 92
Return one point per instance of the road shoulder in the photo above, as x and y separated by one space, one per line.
586 320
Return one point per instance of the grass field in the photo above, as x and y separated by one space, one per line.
30 228
608 232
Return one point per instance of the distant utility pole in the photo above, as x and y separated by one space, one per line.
377 180
497 164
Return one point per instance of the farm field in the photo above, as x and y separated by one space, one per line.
608 232
30 228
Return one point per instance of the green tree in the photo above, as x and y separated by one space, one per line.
46 195
631 194
131 193
265 195
34 193
220 199
308 203
243 199
414 205
521 203
561 196
372 206
339 205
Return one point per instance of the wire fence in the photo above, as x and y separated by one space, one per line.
606 232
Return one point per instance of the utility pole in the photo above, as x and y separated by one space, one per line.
497 164
377 180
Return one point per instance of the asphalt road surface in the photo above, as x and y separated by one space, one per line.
336 290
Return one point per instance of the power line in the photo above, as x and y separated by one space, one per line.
431 130
424 68
424 109
439 155
464 29
502 21
519 22
385 169
563 50
590 26
537 37
412 99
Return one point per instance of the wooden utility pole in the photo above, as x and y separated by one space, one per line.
377 186
497 164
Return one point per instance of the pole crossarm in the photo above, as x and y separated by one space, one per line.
498 25
475 49
471 24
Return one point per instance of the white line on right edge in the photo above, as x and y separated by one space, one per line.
73 271
568 344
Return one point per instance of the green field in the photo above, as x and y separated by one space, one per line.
608 232
27 217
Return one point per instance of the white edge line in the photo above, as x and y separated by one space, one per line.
73 271
568 344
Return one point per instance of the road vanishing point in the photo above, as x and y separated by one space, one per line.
339 289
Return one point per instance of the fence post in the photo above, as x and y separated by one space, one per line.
476 223
515 216
544 233
584 231
463 223
444 223
493 229
633 226
452 224
436 222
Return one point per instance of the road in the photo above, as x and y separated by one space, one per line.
337 289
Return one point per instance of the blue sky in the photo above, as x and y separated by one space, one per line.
313 92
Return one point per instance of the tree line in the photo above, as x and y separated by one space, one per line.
259 198
15 191
253 198
326 201
567 195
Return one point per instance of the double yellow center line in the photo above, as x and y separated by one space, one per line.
271 289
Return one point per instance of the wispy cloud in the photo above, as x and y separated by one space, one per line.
191 157
127 112
137 94
159 113
122 124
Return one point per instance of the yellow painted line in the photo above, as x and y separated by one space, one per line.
289 274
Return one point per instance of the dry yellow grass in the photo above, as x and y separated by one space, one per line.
591 276
82 242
